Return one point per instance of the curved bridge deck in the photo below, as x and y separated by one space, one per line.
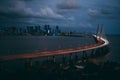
101 43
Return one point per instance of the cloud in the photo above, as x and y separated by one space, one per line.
68 4
17 11
71 18
93 12
49 13
102 13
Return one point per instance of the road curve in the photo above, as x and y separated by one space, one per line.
101 43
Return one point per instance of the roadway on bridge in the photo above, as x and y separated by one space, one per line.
101 43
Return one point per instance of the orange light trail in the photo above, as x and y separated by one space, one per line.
52 53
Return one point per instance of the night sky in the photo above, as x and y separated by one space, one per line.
76 15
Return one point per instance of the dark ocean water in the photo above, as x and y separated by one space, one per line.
114 47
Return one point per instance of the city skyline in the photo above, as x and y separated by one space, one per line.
68 14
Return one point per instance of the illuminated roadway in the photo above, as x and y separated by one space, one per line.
101 43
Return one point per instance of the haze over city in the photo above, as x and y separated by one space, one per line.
79 15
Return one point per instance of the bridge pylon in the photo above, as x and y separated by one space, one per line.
100 31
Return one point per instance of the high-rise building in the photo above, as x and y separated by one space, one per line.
57 31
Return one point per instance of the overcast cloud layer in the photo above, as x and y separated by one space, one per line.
78 15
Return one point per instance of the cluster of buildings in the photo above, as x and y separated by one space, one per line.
46 30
